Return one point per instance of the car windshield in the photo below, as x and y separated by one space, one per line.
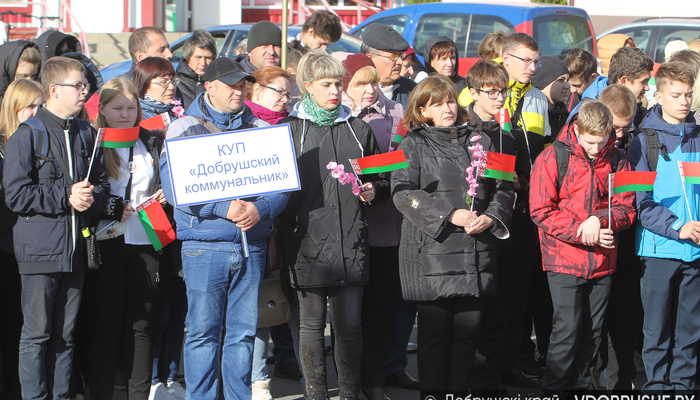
556 34
466 30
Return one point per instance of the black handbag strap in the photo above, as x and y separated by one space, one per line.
127 195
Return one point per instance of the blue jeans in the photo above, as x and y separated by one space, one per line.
262 336
221 286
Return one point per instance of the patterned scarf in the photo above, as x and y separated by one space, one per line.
319 115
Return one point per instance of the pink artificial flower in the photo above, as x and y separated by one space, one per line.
179 111
356 189
331 165
338 174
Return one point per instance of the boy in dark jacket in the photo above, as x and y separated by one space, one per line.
502 326
577 237
668 235
48 243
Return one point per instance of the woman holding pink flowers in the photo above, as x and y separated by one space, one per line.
453 219
324 234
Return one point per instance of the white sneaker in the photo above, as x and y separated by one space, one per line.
160 392
261 390
176 390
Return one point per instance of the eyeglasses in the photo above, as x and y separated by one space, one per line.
528 61
625 129
493 94
280 91
79 86
164 83
394 56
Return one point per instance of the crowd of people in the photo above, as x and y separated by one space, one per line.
482 261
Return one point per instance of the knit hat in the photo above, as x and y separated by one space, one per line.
551 69
384 37
673 47
352 64
264 33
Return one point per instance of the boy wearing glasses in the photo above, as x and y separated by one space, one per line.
488 86
51 197
527 104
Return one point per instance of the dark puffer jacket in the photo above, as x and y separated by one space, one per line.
191 84
9 54
438 259
324 236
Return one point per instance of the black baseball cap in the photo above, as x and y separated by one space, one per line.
227 71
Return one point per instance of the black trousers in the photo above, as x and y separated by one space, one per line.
10 325
376 313
119 301
448 337
345 306
579 309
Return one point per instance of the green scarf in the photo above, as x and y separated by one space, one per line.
319 115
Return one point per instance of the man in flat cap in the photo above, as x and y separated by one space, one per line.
387 49
222 285
264 47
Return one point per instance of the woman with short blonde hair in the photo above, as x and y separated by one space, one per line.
22 98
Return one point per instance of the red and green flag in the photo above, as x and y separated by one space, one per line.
384 162
499 166
504 119
156 223
690 172
118 138
160 121
398 132
633 181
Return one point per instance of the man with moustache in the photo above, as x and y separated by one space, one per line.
387 49
264 47
222 285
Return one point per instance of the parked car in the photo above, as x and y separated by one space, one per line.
557 29
227 38
652 34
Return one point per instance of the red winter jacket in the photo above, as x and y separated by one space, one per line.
583 193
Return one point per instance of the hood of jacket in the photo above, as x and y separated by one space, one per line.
244 61
596 87
429 44
92 73
9 54
676 132
48 43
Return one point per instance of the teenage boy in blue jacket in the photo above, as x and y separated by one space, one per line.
222 285
48 244
668 236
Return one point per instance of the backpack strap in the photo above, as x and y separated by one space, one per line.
209 125
614 160
562 154
41 147
654 148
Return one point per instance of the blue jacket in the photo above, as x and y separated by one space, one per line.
594 91
662 212
207 222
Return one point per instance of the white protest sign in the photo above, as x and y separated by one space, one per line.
232 165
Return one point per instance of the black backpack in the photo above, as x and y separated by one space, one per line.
562 154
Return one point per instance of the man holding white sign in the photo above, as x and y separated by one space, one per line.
222 284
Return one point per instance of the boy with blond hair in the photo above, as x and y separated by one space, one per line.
668 235
577 239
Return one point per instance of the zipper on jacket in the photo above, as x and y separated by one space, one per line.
72 210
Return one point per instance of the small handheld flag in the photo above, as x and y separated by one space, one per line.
398 132
379 163
156 223
118 138
690 172
633 181
504 119
499 166
160 121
